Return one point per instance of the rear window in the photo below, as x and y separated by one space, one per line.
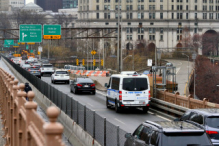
213 122
34 68
185 139
47 66
135 84
61 72
85 80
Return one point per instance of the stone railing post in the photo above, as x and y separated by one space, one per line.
189 101
29 105
53 130
175 99
205 100
14 132
20 134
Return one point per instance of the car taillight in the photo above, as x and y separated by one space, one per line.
149 95
28 69
120 95
92 85
79 85
211 132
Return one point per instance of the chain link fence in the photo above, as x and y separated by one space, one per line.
106 133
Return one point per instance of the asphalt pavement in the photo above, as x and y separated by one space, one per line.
128 120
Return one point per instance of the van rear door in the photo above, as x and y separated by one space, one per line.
135 90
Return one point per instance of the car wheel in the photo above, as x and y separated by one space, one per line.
117 109
39 77
41 74
70 90
107 103
67 82
76 92
94 92
145 109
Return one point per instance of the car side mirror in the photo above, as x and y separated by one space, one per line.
106 85
71 82
128 135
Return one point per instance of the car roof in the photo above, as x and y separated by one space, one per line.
129 75
47 64
61 70
207 111
174 126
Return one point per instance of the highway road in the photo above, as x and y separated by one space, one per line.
127 120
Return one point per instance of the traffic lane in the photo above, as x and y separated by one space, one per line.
128 120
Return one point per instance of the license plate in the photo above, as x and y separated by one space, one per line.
86 86
141 102
62 76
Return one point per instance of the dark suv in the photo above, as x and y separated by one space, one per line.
175 133
208 119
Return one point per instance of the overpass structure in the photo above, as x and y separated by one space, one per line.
92 128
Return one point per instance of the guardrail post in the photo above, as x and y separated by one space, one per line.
118 141
52 129
104 131
29 105
205 100
85 129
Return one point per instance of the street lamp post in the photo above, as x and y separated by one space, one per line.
188 66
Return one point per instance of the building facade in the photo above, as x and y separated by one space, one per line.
160 22
67 4
52 5
4 5
17 3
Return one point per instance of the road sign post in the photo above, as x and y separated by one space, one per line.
30 33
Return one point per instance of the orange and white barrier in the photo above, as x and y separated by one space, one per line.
90 73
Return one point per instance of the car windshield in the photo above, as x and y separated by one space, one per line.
135 84
49 66
86 80
61 72
67 67
213 122
186 139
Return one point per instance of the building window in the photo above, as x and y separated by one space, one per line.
211 15
140 30
140 37
129 30
196 17
161 37
97 1
151 37
151 30
129 37
161 7
161 15
172 15
97 15
97 7
151 15
179 15
161 30
187 15
204 15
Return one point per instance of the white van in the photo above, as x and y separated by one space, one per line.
132 90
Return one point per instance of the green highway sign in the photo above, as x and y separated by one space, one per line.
6 46
52 31
30 33
27 47
9 42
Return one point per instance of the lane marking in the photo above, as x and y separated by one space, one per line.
178 70
90 104
119 121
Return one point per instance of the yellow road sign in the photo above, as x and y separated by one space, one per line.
52 37
83 62
101 62
77 62
94 62
31 43
93 52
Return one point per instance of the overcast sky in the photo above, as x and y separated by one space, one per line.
27 1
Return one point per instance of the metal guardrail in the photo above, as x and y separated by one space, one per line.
106 133
22 124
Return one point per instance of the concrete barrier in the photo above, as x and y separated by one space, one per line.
75 134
